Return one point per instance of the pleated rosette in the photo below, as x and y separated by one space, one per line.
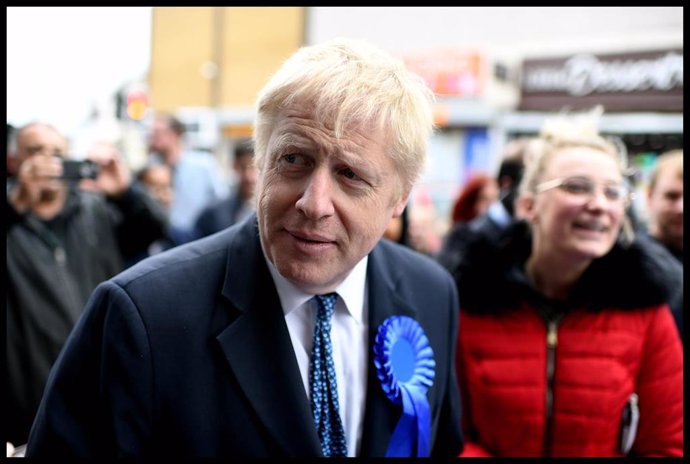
405 365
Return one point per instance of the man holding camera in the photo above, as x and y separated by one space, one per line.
64 236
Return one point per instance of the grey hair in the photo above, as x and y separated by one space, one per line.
352 84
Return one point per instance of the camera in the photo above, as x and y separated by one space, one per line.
79 169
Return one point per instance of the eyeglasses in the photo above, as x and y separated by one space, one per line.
584 188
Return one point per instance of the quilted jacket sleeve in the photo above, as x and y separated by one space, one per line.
660 389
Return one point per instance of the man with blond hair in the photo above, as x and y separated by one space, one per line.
297 332
665 202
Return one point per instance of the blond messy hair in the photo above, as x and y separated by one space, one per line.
568 130
352 84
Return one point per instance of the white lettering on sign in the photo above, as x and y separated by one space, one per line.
586 74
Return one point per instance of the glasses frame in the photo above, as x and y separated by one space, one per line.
560 182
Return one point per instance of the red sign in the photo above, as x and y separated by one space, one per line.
449 72
137 104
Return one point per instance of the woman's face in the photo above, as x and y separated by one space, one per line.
487 195
579 206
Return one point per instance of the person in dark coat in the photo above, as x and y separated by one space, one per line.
224 347
240 203
64 237
500 214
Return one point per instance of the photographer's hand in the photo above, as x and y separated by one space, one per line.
114 176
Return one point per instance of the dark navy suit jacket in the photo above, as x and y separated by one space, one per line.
187 354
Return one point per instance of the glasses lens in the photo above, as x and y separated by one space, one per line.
615 192
578 186
585 187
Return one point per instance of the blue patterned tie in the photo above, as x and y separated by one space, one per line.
322 382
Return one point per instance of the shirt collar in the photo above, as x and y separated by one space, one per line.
351 290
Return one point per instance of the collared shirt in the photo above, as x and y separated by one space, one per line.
349 330
499 214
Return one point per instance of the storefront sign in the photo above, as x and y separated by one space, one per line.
651 81
449 72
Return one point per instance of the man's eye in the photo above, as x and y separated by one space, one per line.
673 196
293 159
350 174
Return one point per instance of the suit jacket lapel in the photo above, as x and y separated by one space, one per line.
381 415
258 348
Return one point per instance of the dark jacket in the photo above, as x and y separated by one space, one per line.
541 377
490 225
187 354
52 268
218 216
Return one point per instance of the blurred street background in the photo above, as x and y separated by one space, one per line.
102 73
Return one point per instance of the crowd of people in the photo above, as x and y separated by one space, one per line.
67 233
166 312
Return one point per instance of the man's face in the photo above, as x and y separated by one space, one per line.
323 203
163 138
41 140
247 175
158 180
666 208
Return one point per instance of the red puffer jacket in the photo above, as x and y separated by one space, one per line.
533 388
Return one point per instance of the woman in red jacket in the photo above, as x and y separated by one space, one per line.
567 346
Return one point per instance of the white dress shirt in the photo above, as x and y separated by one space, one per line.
349 330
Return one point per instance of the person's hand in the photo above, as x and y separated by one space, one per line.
114 176
10 449
36 174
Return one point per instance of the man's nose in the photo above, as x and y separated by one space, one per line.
316 201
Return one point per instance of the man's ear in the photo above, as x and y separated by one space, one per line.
400 206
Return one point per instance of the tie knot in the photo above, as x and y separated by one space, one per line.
326 304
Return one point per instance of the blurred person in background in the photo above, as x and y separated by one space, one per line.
567 346
64 237
665 225
474 199
197 179
10 154
205 350
499 214
240 203
665 202
156 180
398 229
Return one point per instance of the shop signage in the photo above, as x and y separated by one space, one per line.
645 81
449 72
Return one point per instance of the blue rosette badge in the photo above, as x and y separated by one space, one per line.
405 366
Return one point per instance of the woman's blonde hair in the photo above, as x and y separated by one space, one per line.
352 84
572 130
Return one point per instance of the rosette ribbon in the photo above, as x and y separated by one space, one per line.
405 366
